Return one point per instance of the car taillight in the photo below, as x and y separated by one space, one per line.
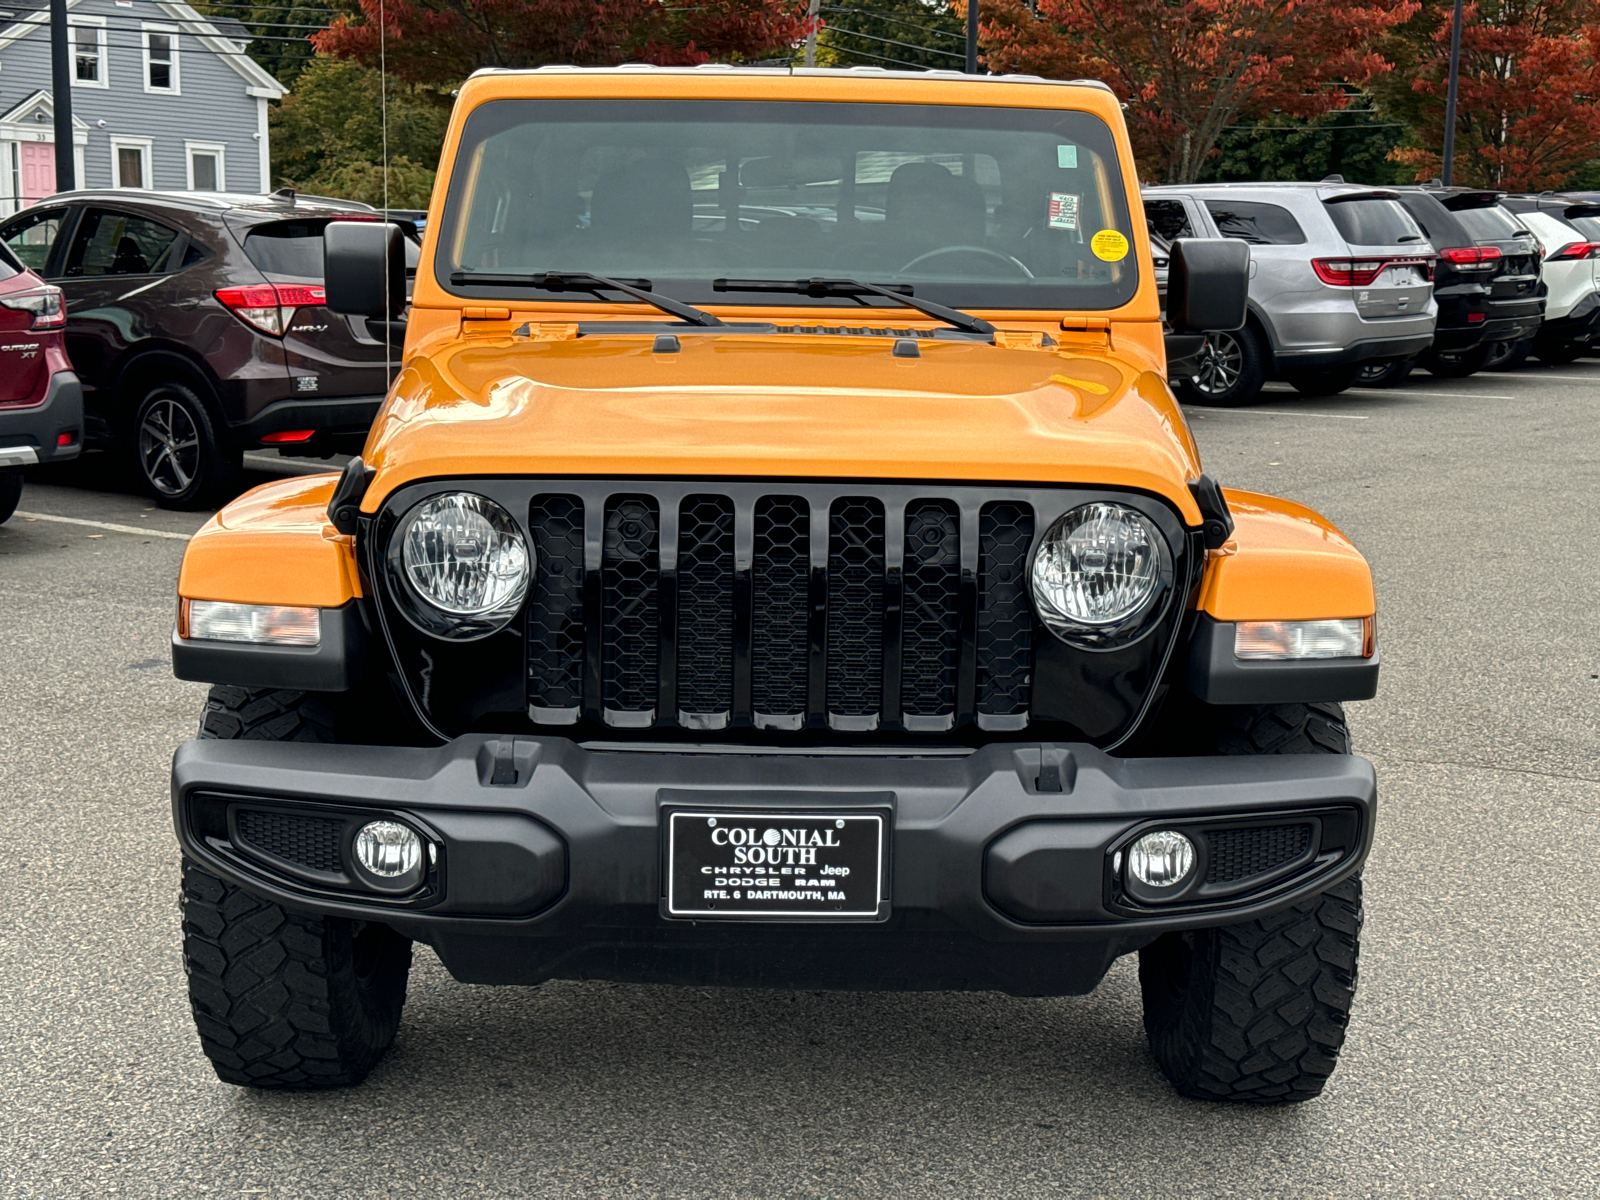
1473 258
46 305
1361 272
1575 250
270 307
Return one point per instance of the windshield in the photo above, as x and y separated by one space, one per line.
972 207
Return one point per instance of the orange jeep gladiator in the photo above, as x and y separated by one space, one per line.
780 561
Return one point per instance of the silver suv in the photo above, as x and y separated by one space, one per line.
1340 278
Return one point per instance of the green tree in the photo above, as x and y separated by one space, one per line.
282 31
892 33
1354 142
327 135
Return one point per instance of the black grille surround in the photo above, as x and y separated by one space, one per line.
851 608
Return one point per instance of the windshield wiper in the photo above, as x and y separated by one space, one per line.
901 294
585 281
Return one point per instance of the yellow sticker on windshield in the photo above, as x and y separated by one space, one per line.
1109 245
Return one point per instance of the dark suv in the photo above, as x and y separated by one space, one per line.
197 324
1486 279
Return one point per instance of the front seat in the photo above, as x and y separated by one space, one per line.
129 259
645 207
928 208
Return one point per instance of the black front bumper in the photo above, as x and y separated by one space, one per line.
547 860
33 434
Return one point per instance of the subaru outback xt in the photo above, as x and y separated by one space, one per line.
1340 280
41 402
780 561
197 324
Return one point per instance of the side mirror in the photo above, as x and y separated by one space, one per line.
364 269
1208 284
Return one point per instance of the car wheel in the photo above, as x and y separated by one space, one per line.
1229 370
1557 353
181 457
1508 356
10 494
283 999
1456 364
1391 373
1329 381
1256 1011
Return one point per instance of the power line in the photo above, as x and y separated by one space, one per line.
898 62
891 42
892 20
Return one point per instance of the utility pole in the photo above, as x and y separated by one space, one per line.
812 10
972 36
61 94
1445 175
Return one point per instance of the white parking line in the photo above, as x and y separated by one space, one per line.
134 529
1532 375
1270 412
1401 391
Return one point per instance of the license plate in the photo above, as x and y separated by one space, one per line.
776 865
1401 277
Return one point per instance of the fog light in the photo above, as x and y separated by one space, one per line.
389 850
1161 859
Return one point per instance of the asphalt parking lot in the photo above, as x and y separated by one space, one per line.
1473 1065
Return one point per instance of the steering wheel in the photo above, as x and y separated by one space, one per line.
983 250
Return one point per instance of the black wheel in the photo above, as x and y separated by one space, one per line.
183 458
10 494
1329 381
282 999
1455 364
1229 370
1554 352
1257 1011
1508 356
1389 373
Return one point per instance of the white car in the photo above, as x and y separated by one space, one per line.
1568 233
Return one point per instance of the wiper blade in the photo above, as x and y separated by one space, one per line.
585 281
901 294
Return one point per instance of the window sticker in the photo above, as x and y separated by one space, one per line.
1063 210
1067 157
1109 245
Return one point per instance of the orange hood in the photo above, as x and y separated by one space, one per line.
781 406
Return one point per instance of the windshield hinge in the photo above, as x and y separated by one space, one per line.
1093 330
482 312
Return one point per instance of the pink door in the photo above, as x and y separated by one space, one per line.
38 171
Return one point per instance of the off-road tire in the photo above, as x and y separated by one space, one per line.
10 494
204 472
1327 381
1256 1012
1455 364
282 999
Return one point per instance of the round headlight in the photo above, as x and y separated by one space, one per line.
460 566
1100 574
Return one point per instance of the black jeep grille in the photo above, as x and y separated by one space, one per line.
1241 853
310 842
760 607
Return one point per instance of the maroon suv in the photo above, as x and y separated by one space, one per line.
197 324
41 402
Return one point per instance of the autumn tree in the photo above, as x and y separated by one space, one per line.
439 41
1188 69
1528 109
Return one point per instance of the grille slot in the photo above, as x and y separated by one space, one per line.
1005 620
816 608
1242 853
309 842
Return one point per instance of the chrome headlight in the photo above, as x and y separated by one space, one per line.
1100 575
459 566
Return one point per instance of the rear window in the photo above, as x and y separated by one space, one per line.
1491 224
294 248
1258 224
1373 222
1589 226
9 265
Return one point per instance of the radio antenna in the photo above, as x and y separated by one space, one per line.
383 128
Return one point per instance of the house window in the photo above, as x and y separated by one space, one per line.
160 58
130 162
206 173
88 53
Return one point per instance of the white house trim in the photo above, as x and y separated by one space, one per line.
263 145
171 32
144 145
98 24
218 151
251 71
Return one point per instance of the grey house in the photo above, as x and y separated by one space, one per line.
161 97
